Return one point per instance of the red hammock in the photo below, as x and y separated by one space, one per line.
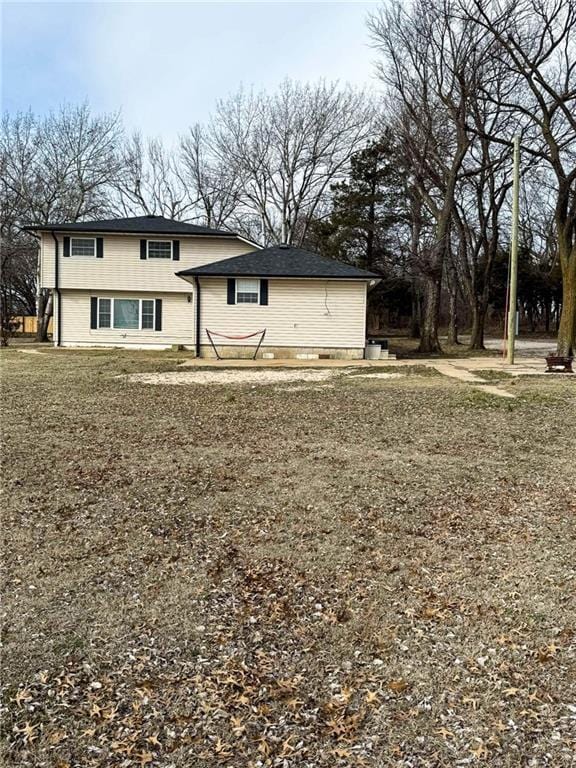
227 336
261 333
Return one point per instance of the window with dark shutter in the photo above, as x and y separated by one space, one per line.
231 290
247 291
99 247
66 246
82 247
143 249
176 250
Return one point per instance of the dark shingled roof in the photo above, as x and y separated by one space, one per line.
280 261
145 225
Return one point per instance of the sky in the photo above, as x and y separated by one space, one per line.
164 64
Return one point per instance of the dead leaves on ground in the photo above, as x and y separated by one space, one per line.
251 696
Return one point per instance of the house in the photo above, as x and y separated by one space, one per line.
151 282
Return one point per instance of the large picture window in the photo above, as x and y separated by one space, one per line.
83 246
159 249
127 314
247 291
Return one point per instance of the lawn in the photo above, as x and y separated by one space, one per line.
356 572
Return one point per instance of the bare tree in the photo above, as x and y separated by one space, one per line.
58 168
217 187
151 181
536 40
482 190
285 149
430 68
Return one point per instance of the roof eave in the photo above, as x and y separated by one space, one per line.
44 228
195 273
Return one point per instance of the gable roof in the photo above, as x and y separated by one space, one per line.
280 261
145 225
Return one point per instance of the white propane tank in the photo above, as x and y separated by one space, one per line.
372 351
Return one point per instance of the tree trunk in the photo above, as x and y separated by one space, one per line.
453 304
547 315
45 307
416 315
453 318
432 274
479 311
567 327
429 342
416 227
40 308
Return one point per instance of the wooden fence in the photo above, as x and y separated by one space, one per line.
28 324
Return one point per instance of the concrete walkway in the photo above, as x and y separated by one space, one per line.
466 370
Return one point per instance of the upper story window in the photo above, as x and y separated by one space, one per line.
247 291
159 249
83 246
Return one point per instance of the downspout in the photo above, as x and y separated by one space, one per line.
197 292
57 291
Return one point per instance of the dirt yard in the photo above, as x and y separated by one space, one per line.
379 572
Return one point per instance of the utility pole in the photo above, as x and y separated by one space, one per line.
513 276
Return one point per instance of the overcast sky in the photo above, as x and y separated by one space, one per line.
164 64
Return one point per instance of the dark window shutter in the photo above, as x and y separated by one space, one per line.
93 312
66 246
142 249
263 291
99 247
231 290
176 250
158 315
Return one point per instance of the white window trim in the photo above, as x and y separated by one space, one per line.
246 303
161 258
84 255
111 327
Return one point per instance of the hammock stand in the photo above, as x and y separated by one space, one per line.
210 334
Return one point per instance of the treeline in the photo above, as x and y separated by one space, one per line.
412 182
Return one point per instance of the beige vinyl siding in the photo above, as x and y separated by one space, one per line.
300 313
177 321
121 268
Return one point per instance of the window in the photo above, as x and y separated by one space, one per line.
247 291
147 314
104 313
159 249
83 246
126 314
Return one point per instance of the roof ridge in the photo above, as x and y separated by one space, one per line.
144 224
276 261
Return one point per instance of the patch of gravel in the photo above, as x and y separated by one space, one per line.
231 376
305 388
380 375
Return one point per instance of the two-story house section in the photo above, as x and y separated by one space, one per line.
151 282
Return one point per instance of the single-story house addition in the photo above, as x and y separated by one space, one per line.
115 283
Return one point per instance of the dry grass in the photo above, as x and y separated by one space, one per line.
377 573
